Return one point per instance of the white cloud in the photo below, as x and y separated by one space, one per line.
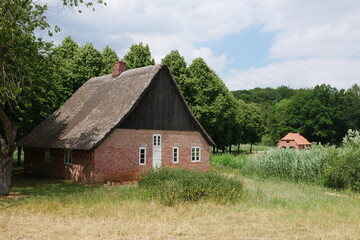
338 72
326 32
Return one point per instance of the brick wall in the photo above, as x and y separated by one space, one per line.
288 144
81 169
117 158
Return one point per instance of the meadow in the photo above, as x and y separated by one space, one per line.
41 208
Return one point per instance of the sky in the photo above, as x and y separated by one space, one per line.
249 43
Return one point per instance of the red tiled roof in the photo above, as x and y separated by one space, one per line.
300 140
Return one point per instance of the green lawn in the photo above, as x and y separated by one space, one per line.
41 208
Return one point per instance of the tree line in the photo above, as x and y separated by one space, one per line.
227 120
322 114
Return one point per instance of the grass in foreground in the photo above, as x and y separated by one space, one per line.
174 186
53 209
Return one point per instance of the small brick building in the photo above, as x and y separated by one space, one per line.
293 140
117 126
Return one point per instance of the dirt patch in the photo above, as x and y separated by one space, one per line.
340 195
13 195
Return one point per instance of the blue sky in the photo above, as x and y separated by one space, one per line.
249 43
247 49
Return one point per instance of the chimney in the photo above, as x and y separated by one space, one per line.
119 67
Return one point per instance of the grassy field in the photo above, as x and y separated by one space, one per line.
42 208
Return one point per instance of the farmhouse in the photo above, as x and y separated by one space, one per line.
293 140
116 126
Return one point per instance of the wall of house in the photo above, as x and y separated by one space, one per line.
81 170
117 158
288 144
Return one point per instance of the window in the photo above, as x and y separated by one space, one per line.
47 155
156 139
68 159
195 154
142 156
175 154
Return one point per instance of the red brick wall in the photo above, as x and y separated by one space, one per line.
117 158
81 169
290 143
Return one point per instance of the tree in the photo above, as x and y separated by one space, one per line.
63 56
353 107
319 114
87 64
177 66
138 56
278 112
254 124
211 102
21 55
109 56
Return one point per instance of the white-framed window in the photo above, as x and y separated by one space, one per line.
142 156
68 159
47 155
175 154
195 154
156 140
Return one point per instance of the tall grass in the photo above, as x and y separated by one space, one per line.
172 186
333 167
303 166
229 161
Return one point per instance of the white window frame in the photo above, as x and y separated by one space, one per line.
156 140
197 154
177 155
68 157
140 149
47 156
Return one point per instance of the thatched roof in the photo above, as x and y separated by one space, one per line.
95 109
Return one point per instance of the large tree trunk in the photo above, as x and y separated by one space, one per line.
238 150
5 175
7 148
250 146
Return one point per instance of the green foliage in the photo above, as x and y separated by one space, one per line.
177 66
230 161
87 63
265 95
343 164
63 56
138 56
277 127
319 114
109 56
173 186
211 102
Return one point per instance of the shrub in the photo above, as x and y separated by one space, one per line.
172 186
343 164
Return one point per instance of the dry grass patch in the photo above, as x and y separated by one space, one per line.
271 210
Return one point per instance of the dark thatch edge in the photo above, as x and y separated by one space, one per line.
173 82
